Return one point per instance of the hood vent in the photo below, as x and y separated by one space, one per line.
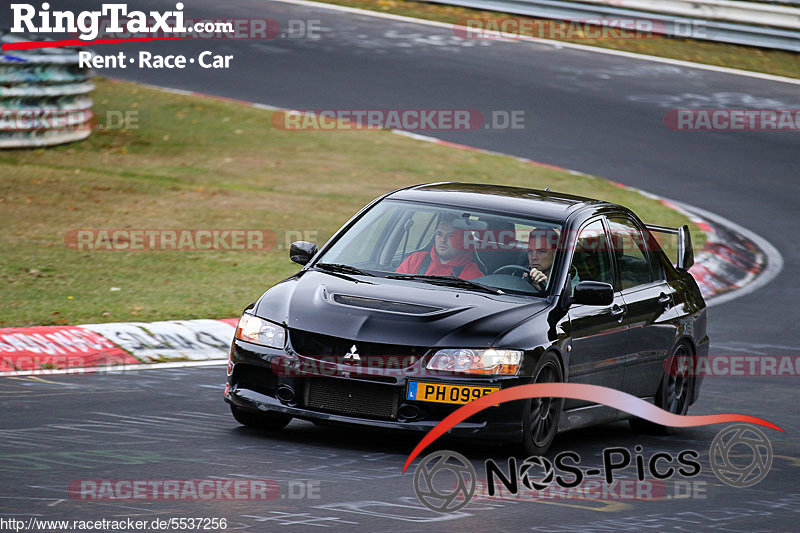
385 305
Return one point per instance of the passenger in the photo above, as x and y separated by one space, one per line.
443 259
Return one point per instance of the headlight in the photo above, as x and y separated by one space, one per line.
491 361
258 331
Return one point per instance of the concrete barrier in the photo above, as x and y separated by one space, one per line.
44 96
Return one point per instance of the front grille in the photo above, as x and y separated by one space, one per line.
317 345
349 397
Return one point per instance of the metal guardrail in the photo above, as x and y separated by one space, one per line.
689 25
44 97
725 10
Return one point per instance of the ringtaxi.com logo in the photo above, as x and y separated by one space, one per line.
88 23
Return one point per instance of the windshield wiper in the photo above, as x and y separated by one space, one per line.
448 281
342 269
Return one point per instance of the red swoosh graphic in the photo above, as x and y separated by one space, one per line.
576 391
58 44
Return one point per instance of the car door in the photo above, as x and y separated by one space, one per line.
598 332
648 299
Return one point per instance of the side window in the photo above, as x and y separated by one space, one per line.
360 251
591 260
411 234
421 232
654 253
629 249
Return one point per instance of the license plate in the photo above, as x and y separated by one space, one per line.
441 393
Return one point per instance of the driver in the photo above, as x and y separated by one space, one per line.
443 259
542 244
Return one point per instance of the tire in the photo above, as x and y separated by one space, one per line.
541 415
265 421
674 392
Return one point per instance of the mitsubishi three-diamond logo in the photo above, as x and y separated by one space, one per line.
352 356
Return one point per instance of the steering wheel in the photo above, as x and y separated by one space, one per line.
512 267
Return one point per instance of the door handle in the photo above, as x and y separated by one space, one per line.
618 312
664 298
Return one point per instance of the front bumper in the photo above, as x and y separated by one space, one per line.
265 379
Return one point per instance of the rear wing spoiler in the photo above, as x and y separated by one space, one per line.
685 252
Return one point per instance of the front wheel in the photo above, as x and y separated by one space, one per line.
256 420
673 394
541 415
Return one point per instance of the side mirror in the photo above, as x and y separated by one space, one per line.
301 252
593 293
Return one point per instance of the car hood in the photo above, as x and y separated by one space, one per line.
400 312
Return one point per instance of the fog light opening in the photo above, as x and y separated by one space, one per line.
285 394
408 412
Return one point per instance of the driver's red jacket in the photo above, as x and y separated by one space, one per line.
462 264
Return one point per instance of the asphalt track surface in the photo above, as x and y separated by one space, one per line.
597 113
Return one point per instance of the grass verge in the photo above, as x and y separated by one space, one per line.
202 163
777 62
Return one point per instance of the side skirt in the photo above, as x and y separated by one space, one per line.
591 415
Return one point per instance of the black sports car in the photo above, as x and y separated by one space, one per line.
435 295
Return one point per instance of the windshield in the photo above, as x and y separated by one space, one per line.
426 243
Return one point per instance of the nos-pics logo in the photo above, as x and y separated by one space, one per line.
454 485
445 481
